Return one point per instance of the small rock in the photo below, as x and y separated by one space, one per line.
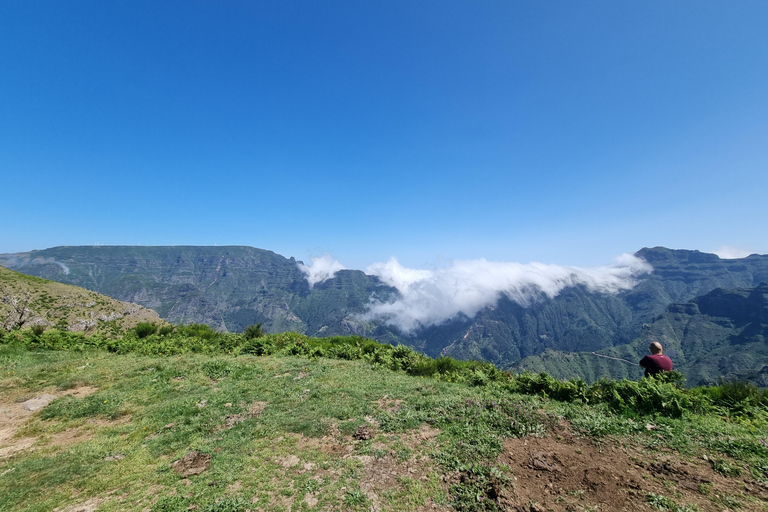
117 456
170 425
227 404
33 404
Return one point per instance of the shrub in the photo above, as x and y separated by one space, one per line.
649 396
735 396
253 331
38 329
257 347
144 329
203 331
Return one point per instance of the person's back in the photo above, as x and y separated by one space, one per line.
657 362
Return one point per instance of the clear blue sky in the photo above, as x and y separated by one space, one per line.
561 132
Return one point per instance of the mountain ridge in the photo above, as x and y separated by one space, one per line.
230 287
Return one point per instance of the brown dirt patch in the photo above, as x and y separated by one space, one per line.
70 436
254 409
378 475
13 416
193 463
391 405
81 391
569 474
87 506
381 475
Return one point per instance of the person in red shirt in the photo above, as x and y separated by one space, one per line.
656 362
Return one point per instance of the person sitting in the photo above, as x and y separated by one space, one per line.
657 362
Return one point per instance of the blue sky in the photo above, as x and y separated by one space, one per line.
559 132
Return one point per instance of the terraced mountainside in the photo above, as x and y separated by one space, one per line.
27 301
232 287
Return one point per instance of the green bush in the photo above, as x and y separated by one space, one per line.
649 396
203 331
253 331
736 397
144 329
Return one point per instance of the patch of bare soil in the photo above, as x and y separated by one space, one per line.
391 405
14 414
254 409
193 463
569 474
379 475
80 391
87 506
383 474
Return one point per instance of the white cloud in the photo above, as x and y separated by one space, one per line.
321 269
729 253
433 297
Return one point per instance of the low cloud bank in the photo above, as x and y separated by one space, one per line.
433 297
731 253
321 269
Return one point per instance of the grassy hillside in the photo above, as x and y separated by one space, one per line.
219 422
27 301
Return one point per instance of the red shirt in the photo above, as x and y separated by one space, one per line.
656 363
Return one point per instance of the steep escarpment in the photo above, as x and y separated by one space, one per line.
231 287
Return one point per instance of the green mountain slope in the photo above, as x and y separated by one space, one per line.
227 288
27 301
719 335
579 320
232 287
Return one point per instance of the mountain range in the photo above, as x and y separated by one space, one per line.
691 301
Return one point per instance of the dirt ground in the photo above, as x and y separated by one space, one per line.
564 473
13 415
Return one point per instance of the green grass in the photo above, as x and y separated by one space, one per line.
151 408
